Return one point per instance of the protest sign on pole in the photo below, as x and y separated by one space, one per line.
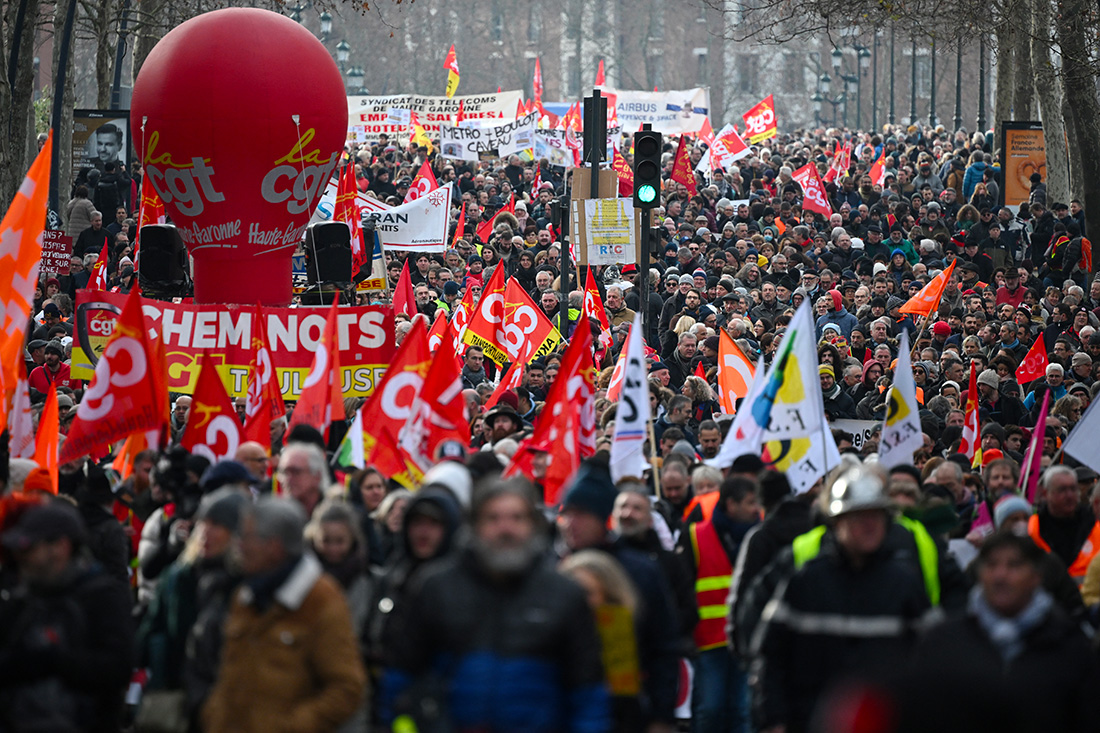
470 143
607 234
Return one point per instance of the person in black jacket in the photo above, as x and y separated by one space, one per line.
785 517
66 640
838 404
632 518
514 643
851 607
1015 633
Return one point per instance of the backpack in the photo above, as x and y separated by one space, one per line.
106 196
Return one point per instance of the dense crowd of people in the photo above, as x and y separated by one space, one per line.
933 596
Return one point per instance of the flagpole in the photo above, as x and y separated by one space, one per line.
916 341
652 454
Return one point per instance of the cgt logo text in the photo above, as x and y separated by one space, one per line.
298 177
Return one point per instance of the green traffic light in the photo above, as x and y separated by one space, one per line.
647 193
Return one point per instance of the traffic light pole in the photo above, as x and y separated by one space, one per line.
643 272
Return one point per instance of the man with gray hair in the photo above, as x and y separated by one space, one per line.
291 658
1064 524
303 475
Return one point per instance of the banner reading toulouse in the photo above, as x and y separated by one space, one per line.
671 113
365 341
371 113
470 142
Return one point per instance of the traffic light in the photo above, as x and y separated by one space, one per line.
647 169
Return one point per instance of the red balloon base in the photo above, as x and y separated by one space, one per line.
244 280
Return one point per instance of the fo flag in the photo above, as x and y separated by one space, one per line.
760 121
213 429
681 167
971 443
632 416
125 395
451 65
901 430
814 198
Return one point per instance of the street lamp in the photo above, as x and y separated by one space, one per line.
817 100
864 57
851 84
326 25
296 16
837 56
825 80
343 52
355 79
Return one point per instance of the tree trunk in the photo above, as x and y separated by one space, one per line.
1079 84
1023 92
16 102
1076 173
1002 96
63 138
104 53
1049 94
146 30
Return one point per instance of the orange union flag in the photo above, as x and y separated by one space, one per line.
928 299
760 121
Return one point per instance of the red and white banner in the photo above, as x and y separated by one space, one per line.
423 184
814 197
365 341
370 114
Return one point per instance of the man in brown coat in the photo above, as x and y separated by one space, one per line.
291 659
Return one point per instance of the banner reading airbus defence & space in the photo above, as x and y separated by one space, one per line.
364 337
371 114
672 112
499 141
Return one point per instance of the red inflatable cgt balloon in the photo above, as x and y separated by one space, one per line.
241 116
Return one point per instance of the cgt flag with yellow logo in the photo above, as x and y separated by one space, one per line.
901 431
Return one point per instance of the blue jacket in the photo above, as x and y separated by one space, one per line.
972 178
522 656
844 320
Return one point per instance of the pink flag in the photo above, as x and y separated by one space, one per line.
1029 473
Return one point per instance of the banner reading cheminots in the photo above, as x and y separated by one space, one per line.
365 340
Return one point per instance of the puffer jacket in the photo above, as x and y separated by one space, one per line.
521 655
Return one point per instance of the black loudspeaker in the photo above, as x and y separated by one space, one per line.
164 270
328 253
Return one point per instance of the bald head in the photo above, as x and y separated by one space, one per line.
254 457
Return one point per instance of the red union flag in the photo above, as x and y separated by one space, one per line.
681 167
423 184
264 400
878 170
213 429
814 198
1034 365
623 171
125 394
451 65
760 121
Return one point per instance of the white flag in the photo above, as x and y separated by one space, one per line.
1079 444
21 423
632 416
744 435
901 431
787 411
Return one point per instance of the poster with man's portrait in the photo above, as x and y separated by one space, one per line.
101 137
